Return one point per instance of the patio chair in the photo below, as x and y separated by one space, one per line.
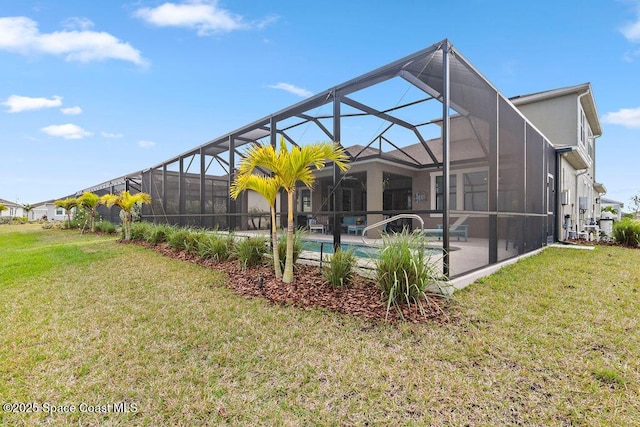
315 226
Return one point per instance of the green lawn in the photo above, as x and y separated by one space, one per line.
551 340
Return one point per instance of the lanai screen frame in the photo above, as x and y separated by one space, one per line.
442 73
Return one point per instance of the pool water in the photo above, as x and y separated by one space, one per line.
360 251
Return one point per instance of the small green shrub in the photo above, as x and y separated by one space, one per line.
177 237
158 233
20 220
250 252
298 236
215 246
55 225
80 220
105 227
192 240
140 229
5 219
627 232
339 271
402 270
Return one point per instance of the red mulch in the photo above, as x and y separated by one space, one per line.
309 290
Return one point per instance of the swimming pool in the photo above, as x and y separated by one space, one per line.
361 251
326 247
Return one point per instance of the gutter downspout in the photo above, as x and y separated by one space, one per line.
559 206
578 175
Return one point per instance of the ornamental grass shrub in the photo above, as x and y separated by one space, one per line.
404 270
158 233
216 247
105 226
177 237
338 270
140 229
627 232
192 240
251 251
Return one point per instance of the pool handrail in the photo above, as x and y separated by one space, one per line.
388 220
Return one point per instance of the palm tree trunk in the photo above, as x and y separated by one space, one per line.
274 239
93 220
128 219
288 265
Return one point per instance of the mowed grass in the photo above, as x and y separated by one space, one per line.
551 340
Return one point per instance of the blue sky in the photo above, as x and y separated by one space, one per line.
94 90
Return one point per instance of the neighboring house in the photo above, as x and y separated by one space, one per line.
13 209
48 210
618 206
569 118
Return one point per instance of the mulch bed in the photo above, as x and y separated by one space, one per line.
309 290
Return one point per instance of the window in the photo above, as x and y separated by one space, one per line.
453 205
304 200
347 199
473 194
397 192
59 211
476 196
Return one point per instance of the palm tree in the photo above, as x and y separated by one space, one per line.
289 167
267 187
90 201
27 208
126 202
68 204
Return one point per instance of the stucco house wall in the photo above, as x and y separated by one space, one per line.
13 209
48 209
568 117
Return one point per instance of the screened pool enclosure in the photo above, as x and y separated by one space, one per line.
427 135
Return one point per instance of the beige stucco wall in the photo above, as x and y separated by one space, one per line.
555 118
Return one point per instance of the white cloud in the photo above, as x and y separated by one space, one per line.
17 103
628 117
111 135
68 131
203 16
292 89
71 111
146 144
632 31
77 23
21 35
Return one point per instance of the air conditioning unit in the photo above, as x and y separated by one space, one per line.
583 203
565 197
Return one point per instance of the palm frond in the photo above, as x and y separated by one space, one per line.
89 200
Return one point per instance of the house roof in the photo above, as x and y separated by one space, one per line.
605 201
46 202
361 151
588 102
8 203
